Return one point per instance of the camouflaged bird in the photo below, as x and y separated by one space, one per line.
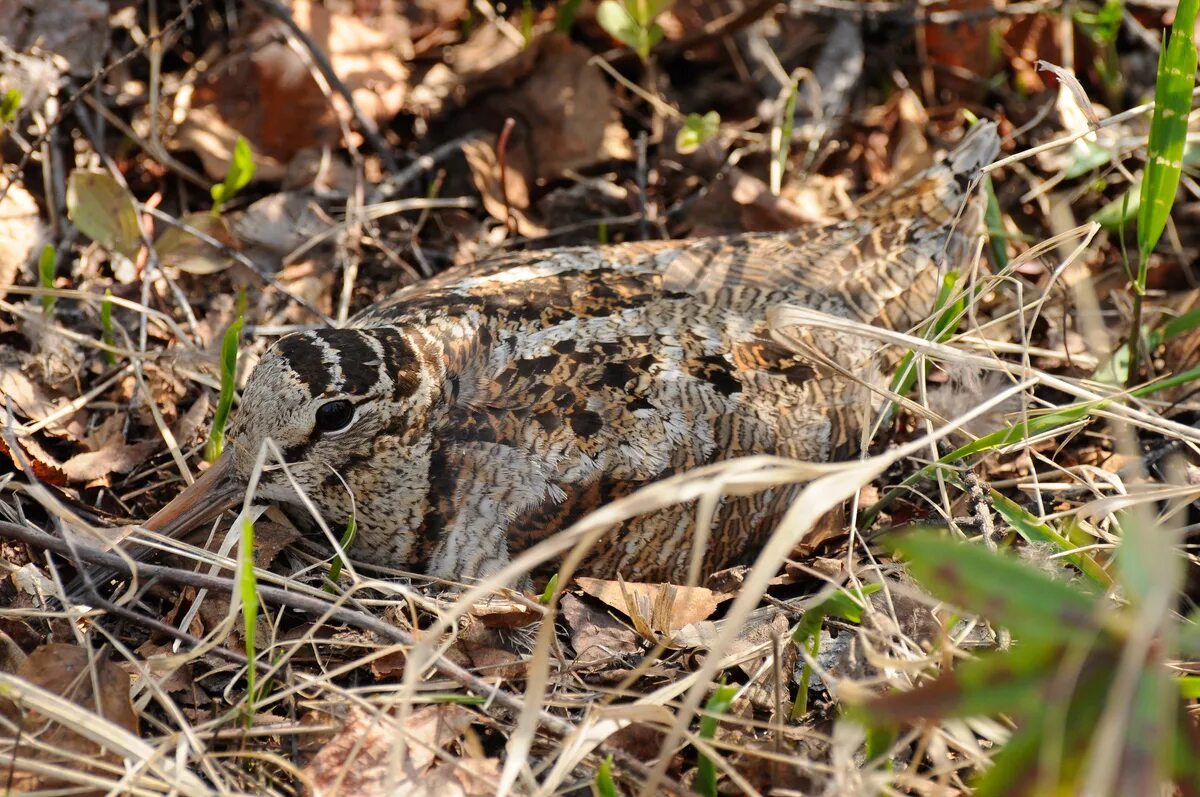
472 415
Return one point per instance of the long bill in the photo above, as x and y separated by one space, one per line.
217 489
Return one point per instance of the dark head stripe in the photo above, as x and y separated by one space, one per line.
359 362
306 359
399 359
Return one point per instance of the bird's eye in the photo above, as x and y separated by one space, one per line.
334 416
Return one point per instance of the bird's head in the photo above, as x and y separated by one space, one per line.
345 412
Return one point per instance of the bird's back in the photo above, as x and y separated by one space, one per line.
575 376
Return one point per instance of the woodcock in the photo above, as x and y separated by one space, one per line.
472 415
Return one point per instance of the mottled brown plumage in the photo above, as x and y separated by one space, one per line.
472 415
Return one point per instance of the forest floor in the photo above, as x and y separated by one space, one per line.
390 140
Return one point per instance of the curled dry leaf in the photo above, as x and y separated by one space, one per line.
282 222
359 761
96 684
20 229
657 611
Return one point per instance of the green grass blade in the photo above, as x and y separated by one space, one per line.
706 770
335 567
106 327
605 785
1168 130
47 265
229 356
248 591
1035 531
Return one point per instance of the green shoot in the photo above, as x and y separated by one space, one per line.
335 567
248 591
631 22
602 233
527 22
783 146
106 327
696 131
10 103
548 593
1164 153
605 786
47 265
229 356
237 175
706 770
842 604
565 18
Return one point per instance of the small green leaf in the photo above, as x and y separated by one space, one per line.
1000 588
605 786
10 103
103 210
1121 210
617 22
47 265
1086 156
237 175
697 130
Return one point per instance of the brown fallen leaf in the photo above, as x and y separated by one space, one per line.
359 761
45 468
117 457
656 610
491 652
596 636
66 670
76 30
503 613
506 199
181 249
564 120
30 397
270 96
739 202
